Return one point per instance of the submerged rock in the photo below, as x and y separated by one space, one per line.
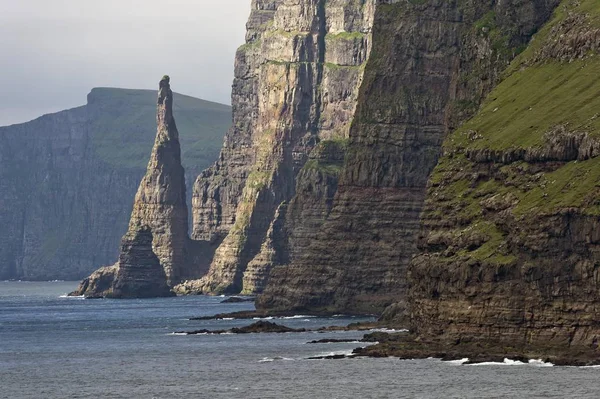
331 341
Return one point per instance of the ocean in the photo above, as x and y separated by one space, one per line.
52 346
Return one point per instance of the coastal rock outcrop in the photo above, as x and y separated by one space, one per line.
154 251
98 285
139 273
254 328
160 202
67 179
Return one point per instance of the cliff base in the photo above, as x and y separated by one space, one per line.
411 346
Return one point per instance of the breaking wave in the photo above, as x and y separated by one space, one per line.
274 359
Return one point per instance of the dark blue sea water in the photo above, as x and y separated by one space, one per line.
56 347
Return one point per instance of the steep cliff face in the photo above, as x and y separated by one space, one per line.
509 250
430 65
154 252
296 84
139 272
67 179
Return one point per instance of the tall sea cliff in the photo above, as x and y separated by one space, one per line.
430 161
340 111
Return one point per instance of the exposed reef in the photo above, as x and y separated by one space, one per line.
258 327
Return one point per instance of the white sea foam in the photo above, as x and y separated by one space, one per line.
540 363
589 367
175 333
345 342
335 353
72 297
227 318
274 359
298 317
506 362
510 362
459 361
388 330
263 318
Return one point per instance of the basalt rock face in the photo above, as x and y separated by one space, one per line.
430 66
296 84
139 273
274 251
155 250
509 250
67 179
160 202
99 284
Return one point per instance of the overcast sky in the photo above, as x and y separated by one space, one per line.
52 52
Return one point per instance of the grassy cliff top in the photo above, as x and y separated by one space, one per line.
554 82
548 85
123 127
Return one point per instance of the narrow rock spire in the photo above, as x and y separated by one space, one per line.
164 113
160 201
153 254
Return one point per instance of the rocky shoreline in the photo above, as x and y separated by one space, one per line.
410 346
260 314
391 341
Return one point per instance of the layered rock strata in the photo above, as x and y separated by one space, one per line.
160 202
99 284
67 179
154 251
509 251
431 64
140 273
296 84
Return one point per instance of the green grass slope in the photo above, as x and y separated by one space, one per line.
551 89
540 92
551 86
123 127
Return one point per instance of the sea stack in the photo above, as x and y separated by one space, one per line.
160 201
140 274
154 249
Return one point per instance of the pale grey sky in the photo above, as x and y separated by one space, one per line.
52 52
